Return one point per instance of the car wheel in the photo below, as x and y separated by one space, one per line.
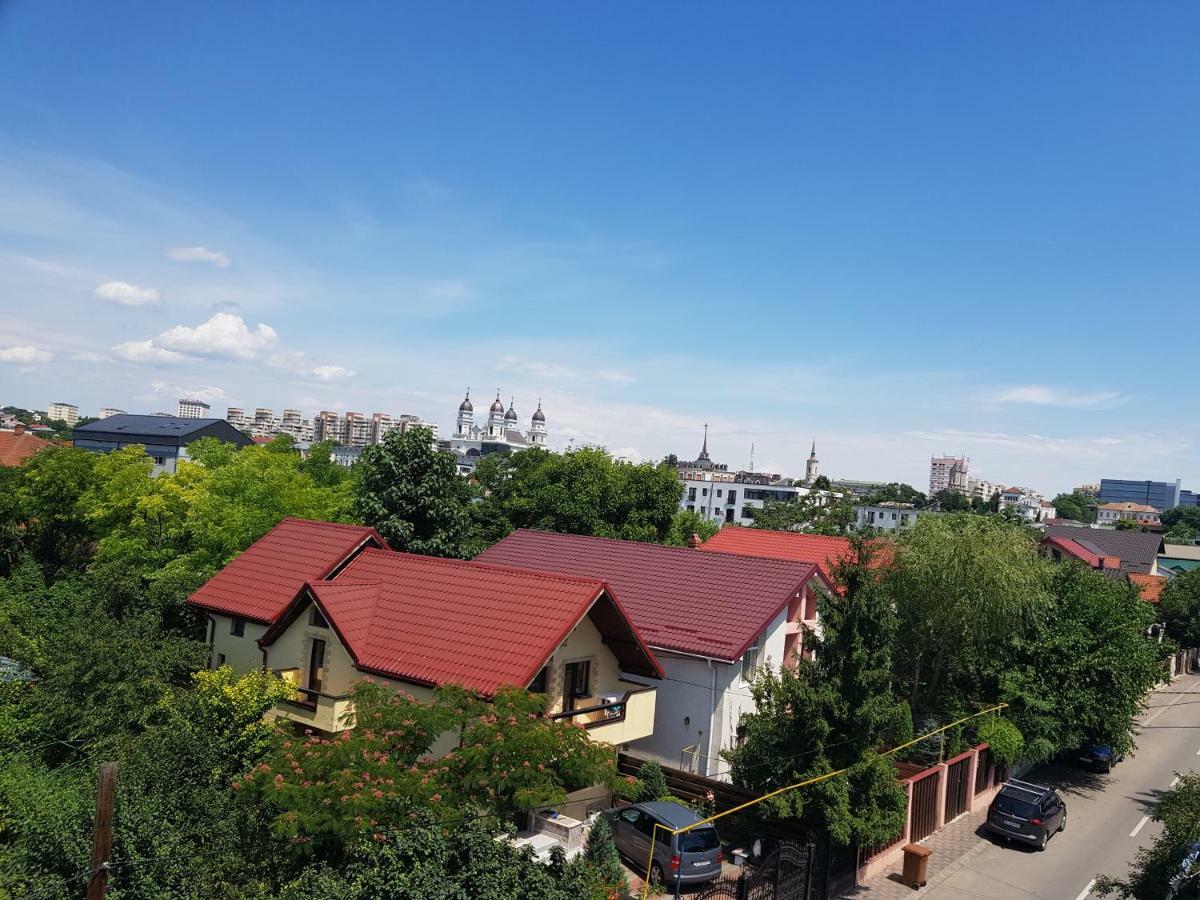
1042 843
656 874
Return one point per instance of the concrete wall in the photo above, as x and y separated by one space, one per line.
241 653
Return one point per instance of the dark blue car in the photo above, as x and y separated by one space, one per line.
1099 757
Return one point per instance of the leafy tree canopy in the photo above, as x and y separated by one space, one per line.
1075 505
1161 866
815 513
1179 607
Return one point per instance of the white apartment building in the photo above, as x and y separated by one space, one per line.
887 516
193 409
63 412
108 411
1029 505
983 489
948 473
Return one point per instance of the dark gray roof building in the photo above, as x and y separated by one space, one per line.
1137 550
165 437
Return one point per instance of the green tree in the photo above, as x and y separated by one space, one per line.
320 467
834 711
582 491
1179 533
1179 607
686 523
1182 515
653 784
601 855
1127 525
951 501
897 492
412 495
822 483
813 513
1075 505
963 586
1079 673
1169 862
53 483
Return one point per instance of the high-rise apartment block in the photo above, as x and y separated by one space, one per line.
948 473
63 412
108 411
193 409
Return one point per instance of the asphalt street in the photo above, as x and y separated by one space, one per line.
1107 815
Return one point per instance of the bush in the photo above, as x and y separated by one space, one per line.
654 783
601 855
1002 737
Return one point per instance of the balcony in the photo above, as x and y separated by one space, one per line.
624 718
315 709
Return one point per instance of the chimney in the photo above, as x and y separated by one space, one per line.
19 428
694 541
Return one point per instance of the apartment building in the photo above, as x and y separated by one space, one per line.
109 411
63 412
192 409
948 473
1141 513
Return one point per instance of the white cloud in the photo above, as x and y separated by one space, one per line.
25 355
615 376
332 373
199 254
533 367
224 335
1043 395
146 352
207 393
126 294
88 356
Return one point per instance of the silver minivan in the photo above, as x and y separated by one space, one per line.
688 858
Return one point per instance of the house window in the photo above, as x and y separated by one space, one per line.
704 492
237 627
732 497
691 493
691 507
750 659
315 619
316 666
538 685
577 678
720 492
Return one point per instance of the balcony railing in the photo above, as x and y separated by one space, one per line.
327 712
618 721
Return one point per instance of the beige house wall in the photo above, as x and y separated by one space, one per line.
241 653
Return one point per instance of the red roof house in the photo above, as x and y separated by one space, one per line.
824 550
259 584
18 445
710 604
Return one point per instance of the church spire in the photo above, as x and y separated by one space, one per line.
813 454
704 449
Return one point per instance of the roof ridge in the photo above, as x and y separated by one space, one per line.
653 546
476 564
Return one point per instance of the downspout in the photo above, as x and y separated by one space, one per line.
712 727
212 637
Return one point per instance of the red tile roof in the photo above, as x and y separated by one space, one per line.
16 448
709 604
1151 586
261 582
824 550
1075 549
441 621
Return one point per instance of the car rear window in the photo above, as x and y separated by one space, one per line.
698 841
1011 806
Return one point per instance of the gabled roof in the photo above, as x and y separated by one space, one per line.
1137 550
1151 586
824 550
1128 507
16 448
1181 551
261 582
1075 549
708 604
443 621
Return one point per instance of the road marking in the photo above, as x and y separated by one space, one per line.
1139 827
1174 781
1162 709
1087 890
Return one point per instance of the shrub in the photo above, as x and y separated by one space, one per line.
1003 737
654 783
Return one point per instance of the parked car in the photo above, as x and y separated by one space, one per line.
1098 757
691 857
1025 812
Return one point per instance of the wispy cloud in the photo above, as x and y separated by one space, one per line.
1043 395
208 393
25 355
615 376
533 367
126 294
332 373
146 352
199 254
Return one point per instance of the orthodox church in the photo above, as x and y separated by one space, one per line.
500 431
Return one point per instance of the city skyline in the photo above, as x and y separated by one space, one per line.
808 231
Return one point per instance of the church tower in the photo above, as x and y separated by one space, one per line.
466 417
537 428
810 470
495 425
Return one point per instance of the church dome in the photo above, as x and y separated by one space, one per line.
539 416
497 406
511 415
466 406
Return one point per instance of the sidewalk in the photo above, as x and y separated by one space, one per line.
952 846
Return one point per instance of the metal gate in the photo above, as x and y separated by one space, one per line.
983 771
957 788
924 807
786 873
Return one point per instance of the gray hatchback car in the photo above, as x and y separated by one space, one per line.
688 858
1025 812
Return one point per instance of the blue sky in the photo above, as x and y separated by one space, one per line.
901 228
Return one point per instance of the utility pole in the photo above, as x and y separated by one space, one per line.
106 786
